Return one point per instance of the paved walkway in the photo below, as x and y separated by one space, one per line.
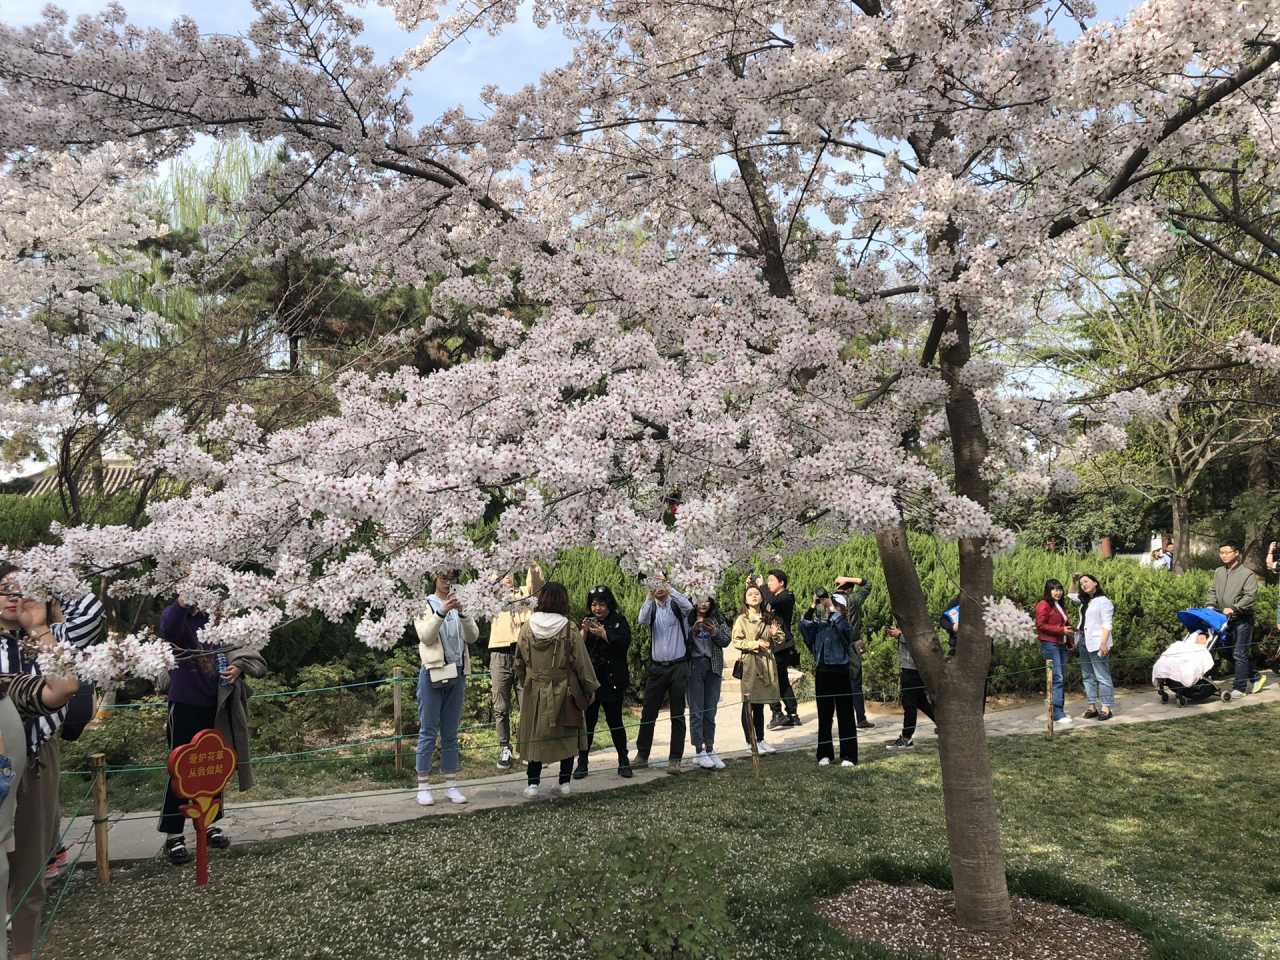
133 836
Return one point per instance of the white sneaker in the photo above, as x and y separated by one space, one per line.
1064 722
705 762
531 791
824 762
765 748
564 789
425 799
715 760
847 763
455 795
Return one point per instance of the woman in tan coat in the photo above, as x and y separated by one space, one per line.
557 682
753 637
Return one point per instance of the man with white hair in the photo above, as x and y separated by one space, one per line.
664 613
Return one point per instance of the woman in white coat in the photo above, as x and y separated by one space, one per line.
1094 641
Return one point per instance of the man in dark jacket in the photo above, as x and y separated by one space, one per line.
829 637
781 602
855 591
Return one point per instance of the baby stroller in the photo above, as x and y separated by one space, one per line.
1184 667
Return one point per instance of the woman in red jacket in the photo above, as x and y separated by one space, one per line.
1054 631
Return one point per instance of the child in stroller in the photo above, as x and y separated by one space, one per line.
1184 667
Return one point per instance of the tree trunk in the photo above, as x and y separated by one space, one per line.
955 684
1255 535
1180 505
968 795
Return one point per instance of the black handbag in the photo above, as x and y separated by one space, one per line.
79 712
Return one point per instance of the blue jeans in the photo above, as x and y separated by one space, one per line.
1058 654
1241 632
1095 670
439 714
703 696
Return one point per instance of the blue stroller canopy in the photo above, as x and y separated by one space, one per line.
1203 618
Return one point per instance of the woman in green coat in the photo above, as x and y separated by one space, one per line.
557 682
753 637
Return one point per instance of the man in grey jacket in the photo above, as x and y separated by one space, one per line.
1234 591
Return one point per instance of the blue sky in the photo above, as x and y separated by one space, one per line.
516 57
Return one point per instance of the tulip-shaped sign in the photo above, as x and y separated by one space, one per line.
200 770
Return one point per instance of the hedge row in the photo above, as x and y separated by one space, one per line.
25 521
1147 602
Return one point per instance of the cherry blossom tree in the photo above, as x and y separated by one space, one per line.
781 253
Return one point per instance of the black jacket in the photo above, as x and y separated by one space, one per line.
609 657
783 606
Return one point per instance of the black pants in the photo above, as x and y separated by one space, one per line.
784 659
613 717
184 722
566 770
663 679
756 719
832 688
855 687
914 697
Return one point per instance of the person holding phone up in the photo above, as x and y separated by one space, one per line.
444 633
607 636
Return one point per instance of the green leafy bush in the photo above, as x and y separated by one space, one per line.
130 736
25 521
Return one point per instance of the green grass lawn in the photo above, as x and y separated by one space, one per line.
1169 826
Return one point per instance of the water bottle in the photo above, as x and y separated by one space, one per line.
222 668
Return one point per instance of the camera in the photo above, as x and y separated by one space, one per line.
820 594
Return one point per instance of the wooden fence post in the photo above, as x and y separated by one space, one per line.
98 762
397 675
1048 698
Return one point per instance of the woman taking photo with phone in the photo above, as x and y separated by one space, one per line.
607 635
1094 640
708 636
445 633
752 637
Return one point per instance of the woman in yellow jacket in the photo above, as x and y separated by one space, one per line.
753 637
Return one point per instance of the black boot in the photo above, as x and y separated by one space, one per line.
580 771
624 767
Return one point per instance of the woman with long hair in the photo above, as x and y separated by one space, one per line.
1054 631
753 638
1094 640
708 636
557 683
